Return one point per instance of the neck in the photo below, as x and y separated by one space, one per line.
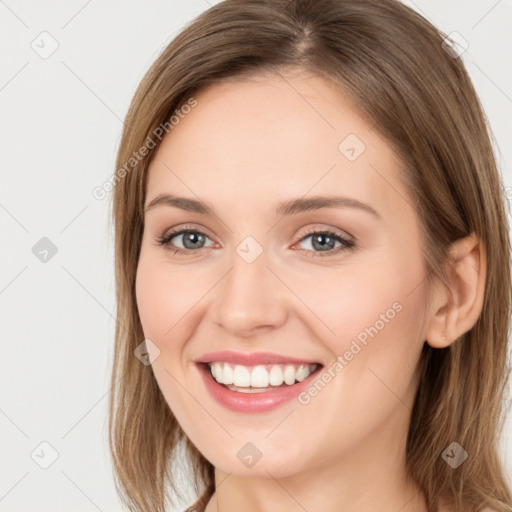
359 481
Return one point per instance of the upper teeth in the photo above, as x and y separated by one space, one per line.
260 376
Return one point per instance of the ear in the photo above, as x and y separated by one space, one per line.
456 310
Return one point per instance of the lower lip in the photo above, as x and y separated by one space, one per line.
252 402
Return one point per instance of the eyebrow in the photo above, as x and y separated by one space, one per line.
283 209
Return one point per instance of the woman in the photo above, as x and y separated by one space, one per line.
312 267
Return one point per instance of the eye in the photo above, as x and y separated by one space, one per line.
191 239
325 242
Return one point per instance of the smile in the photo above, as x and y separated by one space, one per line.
273 386
259 378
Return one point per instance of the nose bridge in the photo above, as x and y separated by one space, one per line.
249 296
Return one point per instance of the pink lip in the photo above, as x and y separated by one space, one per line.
252 402
250 359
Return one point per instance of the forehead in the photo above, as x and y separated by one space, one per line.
279 138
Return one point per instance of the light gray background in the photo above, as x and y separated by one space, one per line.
61 120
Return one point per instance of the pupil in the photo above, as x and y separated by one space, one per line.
318 239
191 236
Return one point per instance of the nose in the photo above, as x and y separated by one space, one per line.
249 298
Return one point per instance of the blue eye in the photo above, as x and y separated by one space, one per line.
324 240
189 236
327 239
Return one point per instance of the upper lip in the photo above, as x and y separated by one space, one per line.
250 359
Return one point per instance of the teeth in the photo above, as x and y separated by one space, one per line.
241 378
276 376
260 376
302 373
289 374
228 376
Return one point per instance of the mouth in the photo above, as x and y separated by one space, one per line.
259 378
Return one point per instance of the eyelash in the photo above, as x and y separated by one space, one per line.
345 243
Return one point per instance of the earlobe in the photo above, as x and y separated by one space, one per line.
456 309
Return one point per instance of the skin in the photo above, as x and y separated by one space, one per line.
248 145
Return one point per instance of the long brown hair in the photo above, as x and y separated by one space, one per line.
393 65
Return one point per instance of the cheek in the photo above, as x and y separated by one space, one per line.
373 370
346 302
164 297
150 293
375 317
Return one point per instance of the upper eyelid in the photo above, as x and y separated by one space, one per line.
182 230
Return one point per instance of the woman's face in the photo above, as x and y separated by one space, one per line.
261 157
